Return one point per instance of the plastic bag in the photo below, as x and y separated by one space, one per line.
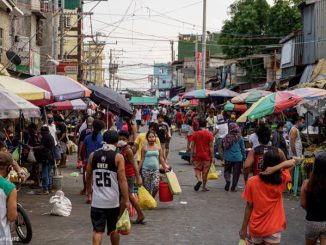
242 242
79 164
212 174
123 225
31 157
173 183
15 155
146 201
61 204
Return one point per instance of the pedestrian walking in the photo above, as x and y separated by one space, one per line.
296 148
234 153
264 213
107 188
202 154
163 133
211 121
151 158
155 113
179 120
313 200
138 116
254 161
278 139
132 173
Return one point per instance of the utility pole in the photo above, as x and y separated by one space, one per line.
110 69
54 34
196 63
62 18
80 42
204 46
172 51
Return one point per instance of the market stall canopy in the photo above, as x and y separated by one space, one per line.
165 102
309 93
69 105
143 100
175 99
235 107
60 87
12 106
223 93
250 97
197 94
273 103
110 99
25 90
187 103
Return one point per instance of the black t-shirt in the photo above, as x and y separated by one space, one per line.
46 154
48 142
61 129
162 131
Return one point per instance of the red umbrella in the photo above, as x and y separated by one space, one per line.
69 105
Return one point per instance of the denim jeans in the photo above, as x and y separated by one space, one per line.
46 176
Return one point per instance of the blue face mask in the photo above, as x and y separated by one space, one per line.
50 121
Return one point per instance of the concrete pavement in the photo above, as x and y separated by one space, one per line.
207 218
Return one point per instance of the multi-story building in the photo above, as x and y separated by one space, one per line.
94 57
9 11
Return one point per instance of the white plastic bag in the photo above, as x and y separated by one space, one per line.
61 204
31 157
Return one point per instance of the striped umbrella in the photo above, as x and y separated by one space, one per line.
235 107
69 105
250 97
25 90
273 103
60 87
197 94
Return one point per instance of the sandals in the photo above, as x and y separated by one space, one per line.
139 222
197 186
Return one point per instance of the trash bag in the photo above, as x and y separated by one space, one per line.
123 225
212 174
61 204
146 201
31 157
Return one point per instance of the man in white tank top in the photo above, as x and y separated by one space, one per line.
105 177
296 148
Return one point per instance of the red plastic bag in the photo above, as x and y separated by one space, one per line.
79 165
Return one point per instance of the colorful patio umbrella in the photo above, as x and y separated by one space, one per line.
12 106
60 87
69 105
175 99
223 93
273 103
165 102
235 107
187 103
309 93
25 90
111 100
197 94
250 97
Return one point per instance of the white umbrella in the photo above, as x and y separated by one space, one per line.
12 106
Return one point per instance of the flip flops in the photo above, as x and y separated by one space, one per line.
197 186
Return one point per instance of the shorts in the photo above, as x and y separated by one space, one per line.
202 166
315 230
102 217
274 238
63 148
131 181
179 124
57 153
138 122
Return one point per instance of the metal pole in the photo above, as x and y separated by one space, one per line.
61 28
196 63
172 51
54 35
204 46
80 70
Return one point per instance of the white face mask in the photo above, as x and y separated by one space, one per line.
122 143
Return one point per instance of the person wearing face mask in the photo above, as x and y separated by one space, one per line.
296 148
8 199
278 139
53 132
132 173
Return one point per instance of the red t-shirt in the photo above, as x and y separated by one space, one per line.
202 140
268 215
129 170
178 116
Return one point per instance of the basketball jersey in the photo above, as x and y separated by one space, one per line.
105 180
259 157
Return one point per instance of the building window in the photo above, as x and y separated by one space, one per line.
67 22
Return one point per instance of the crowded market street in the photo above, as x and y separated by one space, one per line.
192 218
